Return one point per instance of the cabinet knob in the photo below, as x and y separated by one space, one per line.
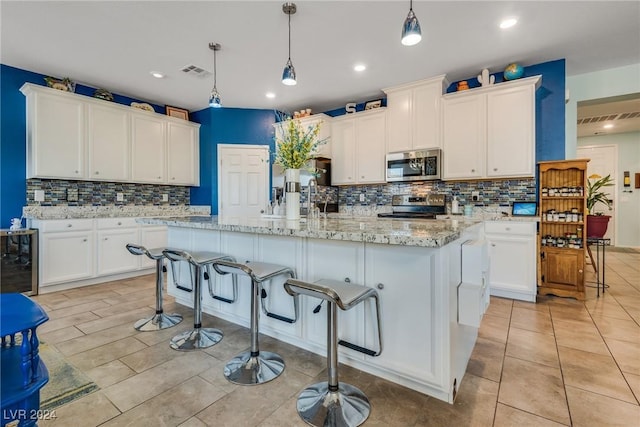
69 225
173 178
97 173
348 177
159 177
493 245
84 240
76 171
495 169
380 286
473 170
507 228
362 177
119 223
106 238
580 271
346 279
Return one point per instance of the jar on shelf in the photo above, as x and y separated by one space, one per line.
545 191
550 215
579 232
562 217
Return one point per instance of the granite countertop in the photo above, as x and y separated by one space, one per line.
425 233
72 212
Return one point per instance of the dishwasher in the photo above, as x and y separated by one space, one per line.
19 266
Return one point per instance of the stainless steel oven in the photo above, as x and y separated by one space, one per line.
419 165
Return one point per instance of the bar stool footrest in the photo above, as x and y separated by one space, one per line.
245 369
356 347
281 318
320 407
157 322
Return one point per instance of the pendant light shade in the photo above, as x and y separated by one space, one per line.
411 32
289 72
214 98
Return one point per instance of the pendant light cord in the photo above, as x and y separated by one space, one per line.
214 69
411 5
289 37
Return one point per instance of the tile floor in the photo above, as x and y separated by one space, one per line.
557 362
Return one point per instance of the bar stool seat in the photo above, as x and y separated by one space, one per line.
255 366
332 403
160 320
198 337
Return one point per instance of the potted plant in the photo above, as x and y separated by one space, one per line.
597 222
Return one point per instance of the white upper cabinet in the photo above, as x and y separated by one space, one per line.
55 136
413 115
490 132
72 136
108 143
358 148
182 149
148 148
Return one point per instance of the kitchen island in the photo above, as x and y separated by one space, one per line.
415 265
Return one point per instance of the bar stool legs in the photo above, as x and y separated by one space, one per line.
160 320
332 403
254 366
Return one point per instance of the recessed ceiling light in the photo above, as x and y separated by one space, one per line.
360 67
270 95
608 126
157 74
508 23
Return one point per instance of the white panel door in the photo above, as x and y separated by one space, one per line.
148 150
243 181
604 161
108 143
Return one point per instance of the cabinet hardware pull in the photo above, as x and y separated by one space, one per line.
473 170
84 240
493 244
159 177
495 169
119 223
76 171
346 279
97 173
173 177
380 286
69 225
507 228
106 238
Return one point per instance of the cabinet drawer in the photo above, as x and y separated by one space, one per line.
116 223
65 225
510 227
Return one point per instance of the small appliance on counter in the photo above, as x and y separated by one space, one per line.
416 207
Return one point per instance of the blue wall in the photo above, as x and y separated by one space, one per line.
226 126
13 134
550 104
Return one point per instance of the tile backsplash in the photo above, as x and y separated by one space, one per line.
98 193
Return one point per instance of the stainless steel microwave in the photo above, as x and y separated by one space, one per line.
419 165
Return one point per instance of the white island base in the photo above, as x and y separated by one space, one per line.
425 348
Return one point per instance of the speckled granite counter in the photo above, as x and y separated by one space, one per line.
70 212
425 233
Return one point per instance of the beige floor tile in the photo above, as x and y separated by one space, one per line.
287 416
251 405
486 359
171 407
533 346
494 328
618 329
232 344
147 301
110 373
60 335
532 320
614 310
129 317
81 308
546 397
296 358
634 383
151 356
594 372
89 411
626 354
106 353
569 312
500 307
193 422
90 296
393 404
139 388
65 322
506 416
590 409
87 342
538 306
580 336
475 405
164 336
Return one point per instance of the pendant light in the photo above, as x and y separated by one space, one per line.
289 73
411 33
214 98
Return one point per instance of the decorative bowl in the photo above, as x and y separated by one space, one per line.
513 71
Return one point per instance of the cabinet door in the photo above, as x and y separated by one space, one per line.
464 133
56 142
511 132
152 236
512 266
148 152
108 143
562 269
426 116
370 152
183 158
113 256
66 256
399 121
343 146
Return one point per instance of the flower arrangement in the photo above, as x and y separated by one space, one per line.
295 144
594 194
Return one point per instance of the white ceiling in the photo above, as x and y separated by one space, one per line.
116 44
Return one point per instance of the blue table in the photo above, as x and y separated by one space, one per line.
23 373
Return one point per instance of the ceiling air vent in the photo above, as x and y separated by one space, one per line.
195 71
608 117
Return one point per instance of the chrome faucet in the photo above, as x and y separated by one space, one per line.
310 206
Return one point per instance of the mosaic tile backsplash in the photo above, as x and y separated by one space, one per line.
491 193
98 193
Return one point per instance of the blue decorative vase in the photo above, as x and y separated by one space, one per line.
513 71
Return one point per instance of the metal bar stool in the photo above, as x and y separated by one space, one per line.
332 403
160 320
198 337
255 366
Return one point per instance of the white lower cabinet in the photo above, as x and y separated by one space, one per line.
78 252
152 237
512 259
